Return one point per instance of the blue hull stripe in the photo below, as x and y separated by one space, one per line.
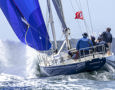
95 64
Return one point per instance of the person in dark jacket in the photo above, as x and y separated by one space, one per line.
101 44
93 40
107 37
83 44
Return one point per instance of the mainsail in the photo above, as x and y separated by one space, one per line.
36 35
59 10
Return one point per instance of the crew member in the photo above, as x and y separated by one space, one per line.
107 37
84 44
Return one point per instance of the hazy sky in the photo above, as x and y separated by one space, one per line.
102 15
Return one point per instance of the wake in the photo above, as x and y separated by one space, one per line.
20 60
16 58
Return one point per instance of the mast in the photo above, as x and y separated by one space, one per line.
52 24
59 10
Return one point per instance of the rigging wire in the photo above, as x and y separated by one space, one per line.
85 24
90 17
79 6
26 35
72 6
74 10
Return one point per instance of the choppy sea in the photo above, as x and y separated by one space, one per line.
17 72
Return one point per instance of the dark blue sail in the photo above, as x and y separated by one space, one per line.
36 35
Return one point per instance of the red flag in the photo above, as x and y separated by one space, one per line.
79 15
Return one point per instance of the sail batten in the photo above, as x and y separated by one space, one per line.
36 35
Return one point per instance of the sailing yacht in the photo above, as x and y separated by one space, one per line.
26 19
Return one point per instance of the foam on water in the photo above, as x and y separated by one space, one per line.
18 70
12 58
16 58
31 64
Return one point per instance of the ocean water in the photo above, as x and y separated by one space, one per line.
18 72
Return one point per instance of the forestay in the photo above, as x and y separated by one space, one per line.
36 35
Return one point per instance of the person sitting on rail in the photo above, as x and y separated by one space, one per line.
84 45
101 45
